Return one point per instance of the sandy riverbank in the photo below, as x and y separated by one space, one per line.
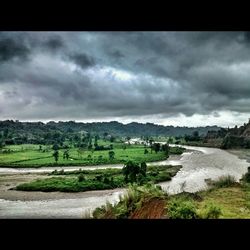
10 181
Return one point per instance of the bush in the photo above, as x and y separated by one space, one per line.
212 212
162 177
81 177
61 171
181 209
54 172
98 177
224 181
246 177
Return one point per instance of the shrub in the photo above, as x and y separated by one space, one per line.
224 181
81 177
106 180
100 158
181 209
246 177
154 172
54 172
61 171
164 176
98 178
211 212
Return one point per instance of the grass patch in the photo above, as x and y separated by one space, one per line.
179 208
176 150
223 181
64 185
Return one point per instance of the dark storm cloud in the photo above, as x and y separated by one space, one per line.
54 43
78 75
11 49
83 60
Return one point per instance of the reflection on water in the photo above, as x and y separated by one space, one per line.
203 163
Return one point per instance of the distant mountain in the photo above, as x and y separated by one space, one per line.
113 127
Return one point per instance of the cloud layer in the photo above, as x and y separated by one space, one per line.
187 78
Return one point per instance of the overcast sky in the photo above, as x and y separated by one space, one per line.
168 78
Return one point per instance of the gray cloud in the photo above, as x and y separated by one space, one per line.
10 49
54 43
95 75
83 60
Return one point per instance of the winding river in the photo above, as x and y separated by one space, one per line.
199 163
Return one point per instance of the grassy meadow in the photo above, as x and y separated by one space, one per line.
30 155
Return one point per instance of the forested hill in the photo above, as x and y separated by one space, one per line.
113 128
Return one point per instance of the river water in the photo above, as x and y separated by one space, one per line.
199 163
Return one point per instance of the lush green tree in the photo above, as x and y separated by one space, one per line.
165 148
196 134
143 168
56 155
112 138
111 155
66 155
170 140
133 172
105 134
81 177
156 147
96 140
6 133
130 170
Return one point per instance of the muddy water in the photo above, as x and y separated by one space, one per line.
204 163
198 163
57 208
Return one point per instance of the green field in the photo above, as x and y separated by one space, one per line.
29 155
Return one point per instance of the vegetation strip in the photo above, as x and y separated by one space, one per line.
85 180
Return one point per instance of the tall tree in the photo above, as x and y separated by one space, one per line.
111 155
156 147
56 155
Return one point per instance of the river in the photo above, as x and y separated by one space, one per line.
199 163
